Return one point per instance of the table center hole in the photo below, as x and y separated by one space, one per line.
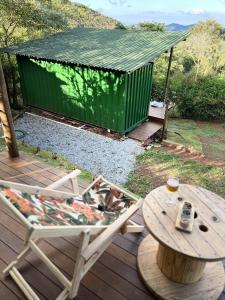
195 215
215 219
203 228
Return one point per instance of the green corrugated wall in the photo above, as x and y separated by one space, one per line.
113 100
138 93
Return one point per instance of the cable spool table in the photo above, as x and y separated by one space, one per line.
180 265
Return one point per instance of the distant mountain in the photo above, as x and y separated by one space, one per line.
178 27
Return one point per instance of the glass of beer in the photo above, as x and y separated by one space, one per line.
172 185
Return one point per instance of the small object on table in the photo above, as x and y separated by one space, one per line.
185 217
172 185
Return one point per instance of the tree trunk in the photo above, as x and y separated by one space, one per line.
166 101
13 75
6 118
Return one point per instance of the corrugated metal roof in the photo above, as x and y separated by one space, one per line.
121 50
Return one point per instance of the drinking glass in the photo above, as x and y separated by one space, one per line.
172 185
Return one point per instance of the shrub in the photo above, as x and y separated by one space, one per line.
201 99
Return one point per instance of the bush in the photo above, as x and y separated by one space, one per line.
201 99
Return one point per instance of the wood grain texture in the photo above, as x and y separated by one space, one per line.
145 130
114 276
209 287
156 113
178 267
206 241
7 126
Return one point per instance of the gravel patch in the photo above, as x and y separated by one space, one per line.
95 153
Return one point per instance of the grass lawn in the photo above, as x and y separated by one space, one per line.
206 137
154 167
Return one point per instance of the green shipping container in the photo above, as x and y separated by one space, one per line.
99 76
114 100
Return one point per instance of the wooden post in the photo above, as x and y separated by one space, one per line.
166 102
6 118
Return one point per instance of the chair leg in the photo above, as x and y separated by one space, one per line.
78 270
24 286
22 283
16 261
63 295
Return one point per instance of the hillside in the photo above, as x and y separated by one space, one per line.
178 27
80 15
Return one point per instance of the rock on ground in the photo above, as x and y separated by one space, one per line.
95 153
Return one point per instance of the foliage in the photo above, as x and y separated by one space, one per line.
152 26
21 20
154 167
205 47
201 99
120 26
197 79
79 15
24 16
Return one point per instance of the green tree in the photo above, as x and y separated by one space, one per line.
22 20
30 18
206 48
152 26
29 15
197 79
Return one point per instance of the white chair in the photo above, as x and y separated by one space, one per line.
103 210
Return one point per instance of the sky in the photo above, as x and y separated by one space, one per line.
184 12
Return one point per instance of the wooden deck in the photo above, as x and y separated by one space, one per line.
156 113
113 277
147 129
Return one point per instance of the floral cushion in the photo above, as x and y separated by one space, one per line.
100 205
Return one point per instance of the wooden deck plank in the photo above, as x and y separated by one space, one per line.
6 293
115 274
15 241
116 281
145 130
156 113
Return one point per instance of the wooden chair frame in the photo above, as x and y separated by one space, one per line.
88 251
